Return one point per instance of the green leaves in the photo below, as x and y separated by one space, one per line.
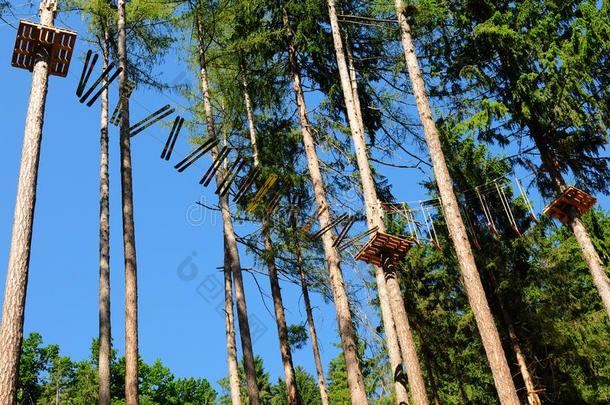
44 373
534 69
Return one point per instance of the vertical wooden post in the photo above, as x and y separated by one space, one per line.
230 330
312 329
388 286
389 328
129 239
457 231
104 247
11 331
229 232
276 293
601 281
349 340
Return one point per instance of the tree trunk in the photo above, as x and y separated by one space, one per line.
344 318
230 330
389 327
528 380
104 248
11 331
129 238
532 394
472 282
312 326
594 262
390 295
276 294
240 296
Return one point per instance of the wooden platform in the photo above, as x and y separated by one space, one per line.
386 248
571 197
58 42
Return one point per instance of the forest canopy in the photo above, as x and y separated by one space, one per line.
382 158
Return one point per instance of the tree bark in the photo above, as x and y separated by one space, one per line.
391 338
240 296
276 294
11 331
532 394
104 337
594 262
230 330
129 238
390 295
344 318
472 282
312 326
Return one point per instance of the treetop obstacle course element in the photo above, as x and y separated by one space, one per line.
224 187
86 74
172 138
384 249
572 197
32 38
419 222
507 209
43 50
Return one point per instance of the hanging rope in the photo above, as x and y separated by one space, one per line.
426 222
470 228
436 242
431 228
413 225
526 200
486 212
507 210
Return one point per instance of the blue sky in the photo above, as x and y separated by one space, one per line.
179 318
179 322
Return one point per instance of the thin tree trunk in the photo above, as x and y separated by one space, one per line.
594 262
390 295
532 394
129 238
344 318
312 326
240 297
104 248
391 338
11 331
472 282
528 380
276 294
230 330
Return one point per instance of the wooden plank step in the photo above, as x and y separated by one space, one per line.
384 247
31 37
571 197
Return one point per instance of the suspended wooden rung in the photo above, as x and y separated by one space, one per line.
571 197
32 37
384 249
